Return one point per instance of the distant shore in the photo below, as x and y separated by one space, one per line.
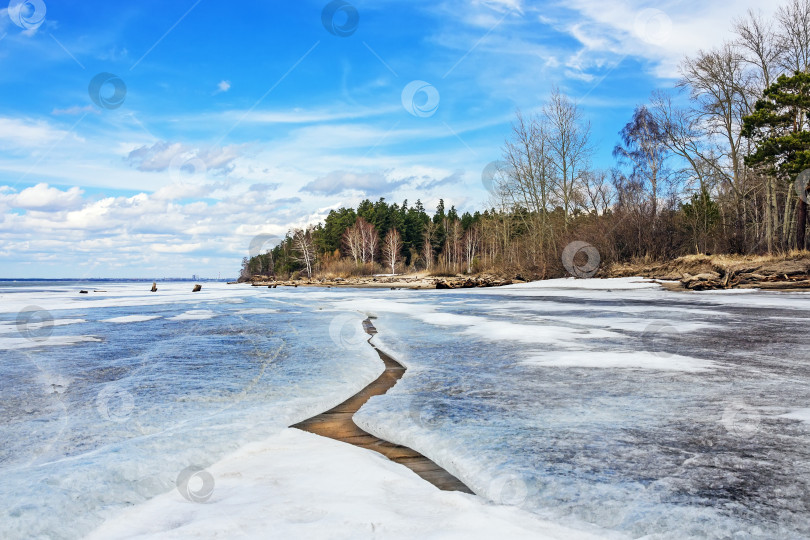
400 281
789 272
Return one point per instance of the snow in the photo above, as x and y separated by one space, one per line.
300 485
621 360
798 414
618 284
194 315
131 319
53 341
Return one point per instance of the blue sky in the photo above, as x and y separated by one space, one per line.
244 119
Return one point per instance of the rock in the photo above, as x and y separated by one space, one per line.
444 285
197 288
154 287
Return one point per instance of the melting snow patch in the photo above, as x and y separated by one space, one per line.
798 414
621 360
24 343
131 319
194 315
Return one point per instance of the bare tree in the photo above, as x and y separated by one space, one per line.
645 151
598 191
470 241
569 148
427 246
391 249
368 240
760 46
793 35
722 93
302 240
529 181
353 243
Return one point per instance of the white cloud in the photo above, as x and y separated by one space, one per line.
223 86
44 198
75 110
165 155
25 133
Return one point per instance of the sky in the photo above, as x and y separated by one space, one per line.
168 138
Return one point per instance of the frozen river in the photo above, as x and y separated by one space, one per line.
607 406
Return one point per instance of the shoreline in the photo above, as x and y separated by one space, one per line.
337 424
789 273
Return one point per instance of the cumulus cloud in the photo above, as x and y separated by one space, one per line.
43 198
223 86
336 182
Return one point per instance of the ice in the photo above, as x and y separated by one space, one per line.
110 421
667 422
299 485
612 407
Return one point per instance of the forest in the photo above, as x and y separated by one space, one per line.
719 163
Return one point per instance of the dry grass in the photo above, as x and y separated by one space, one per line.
696 264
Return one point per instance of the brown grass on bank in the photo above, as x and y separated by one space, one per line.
701 263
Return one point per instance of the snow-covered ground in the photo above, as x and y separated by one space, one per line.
299 485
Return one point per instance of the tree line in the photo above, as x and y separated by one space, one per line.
717 164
